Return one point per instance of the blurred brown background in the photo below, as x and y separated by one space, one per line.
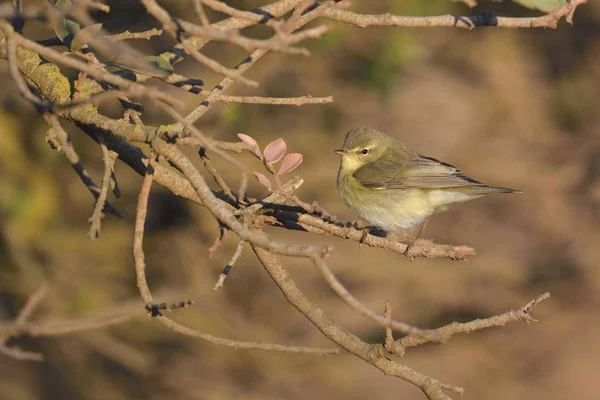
515 108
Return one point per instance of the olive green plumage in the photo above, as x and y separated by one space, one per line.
393 187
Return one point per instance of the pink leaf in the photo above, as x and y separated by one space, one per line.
275 150
249 140
290 162
263 180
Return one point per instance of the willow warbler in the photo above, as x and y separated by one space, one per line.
394 188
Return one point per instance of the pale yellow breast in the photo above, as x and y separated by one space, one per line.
350 163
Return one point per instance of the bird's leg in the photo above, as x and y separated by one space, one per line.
411 244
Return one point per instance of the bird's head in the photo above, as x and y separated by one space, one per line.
362 146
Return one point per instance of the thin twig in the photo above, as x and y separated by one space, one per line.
32 304
234 12
109 157
199 136
201 13
521 314
219 68
287 101
215 174
229 266
275 44
225 83
549 20
135 89
65 142
387 314
19 354
137 35
161 15
356 305
218 240
11 56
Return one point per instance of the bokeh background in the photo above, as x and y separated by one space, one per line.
515 108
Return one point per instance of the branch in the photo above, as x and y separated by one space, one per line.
137 35
215 174
248 62
289 101
135 89
349 342
109 157
234 12
65 142
521 314
229 266
219 68
340 290
224 215
140 267
549 20
274 10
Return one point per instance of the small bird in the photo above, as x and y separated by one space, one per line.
394 188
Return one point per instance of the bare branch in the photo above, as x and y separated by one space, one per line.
549 20
72 156
289 101
224 215
101 75
521 314
161 15
356 305
229 266
19 354
201 13
215 174
32 304
137 35
273 10
218 68
387 314
140 267
225 83
275 43
248 62
234 12
119 315
109 157
373 354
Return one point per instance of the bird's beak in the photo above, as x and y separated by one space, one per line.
341 151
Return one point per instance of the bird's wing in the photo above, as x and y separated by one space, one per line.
421 172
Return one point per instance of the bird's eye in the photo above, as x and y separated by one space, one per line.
365 151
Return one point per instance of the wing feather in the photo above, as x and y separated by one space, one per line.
421 172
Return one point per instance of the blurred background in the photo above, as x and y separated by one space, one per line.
516 108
